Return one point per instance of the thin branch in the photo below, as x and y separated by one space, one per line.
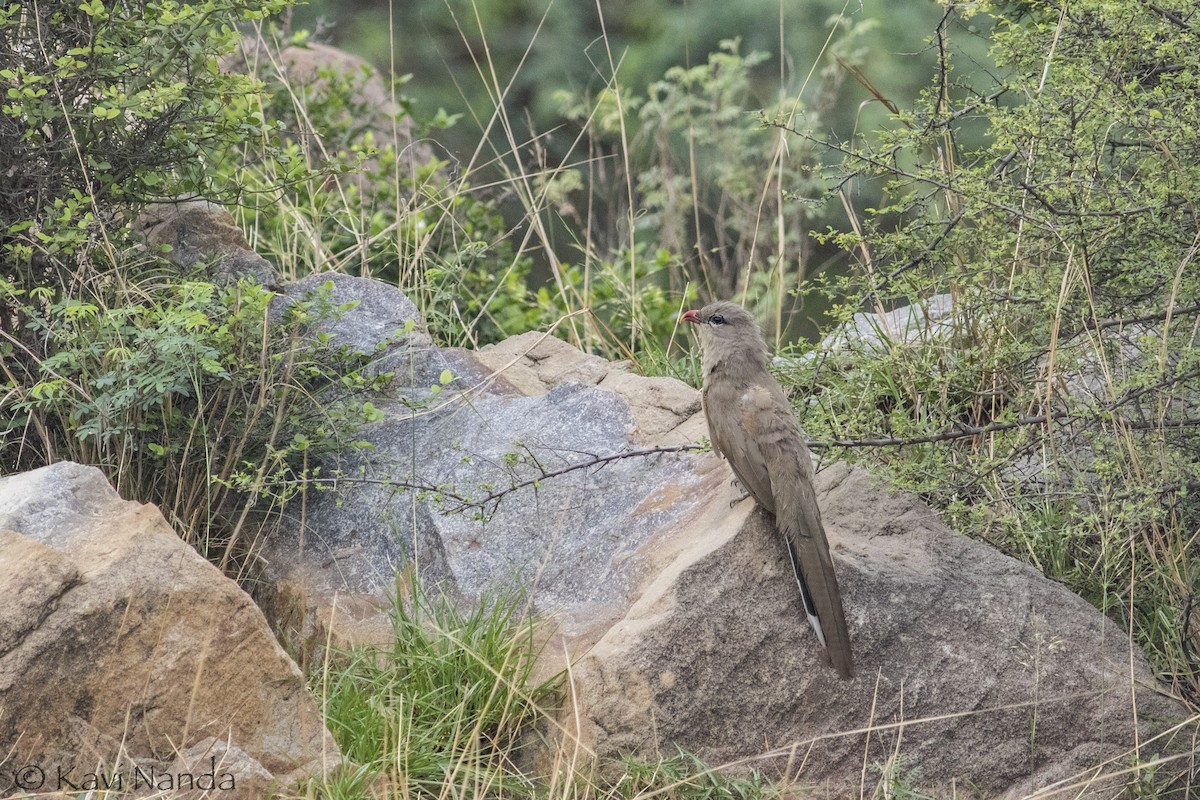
1173 17
493 498
488 503
963 431
1155 317
958 431
461 502
1116 213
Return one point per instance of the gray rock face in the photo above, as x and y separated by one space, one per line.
568 540
385 326
522 543
122 648
680 613
932 318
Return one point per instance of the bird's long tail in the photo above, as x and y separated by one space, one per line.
809 553
810 609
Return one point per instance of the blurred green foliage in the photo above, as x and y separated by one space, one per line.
567 46
687 105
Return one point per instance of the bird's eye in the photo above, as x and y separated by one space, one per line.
716 319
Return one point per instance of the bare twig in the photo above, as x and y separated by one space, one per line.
964 431
488 503
1158 316
958 431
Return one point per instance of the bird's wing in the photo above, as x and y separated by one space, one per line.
726 430
774 441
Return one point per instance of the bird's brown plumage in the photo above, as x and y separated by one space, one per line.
750 423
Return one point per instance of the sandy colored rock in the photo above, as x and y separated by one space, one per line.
971 665
125 648
665 411
535 362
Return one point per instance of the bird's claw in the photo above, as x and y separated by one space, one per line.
744 495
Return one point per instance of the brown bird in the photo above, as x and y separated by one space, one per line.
750 423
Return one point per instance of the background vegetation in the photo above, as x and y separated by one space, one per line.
1032 207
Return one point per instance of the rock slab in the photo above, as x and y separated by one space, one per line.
973 669
125 655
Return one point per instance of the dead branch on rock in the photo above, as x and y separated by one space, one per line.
454 501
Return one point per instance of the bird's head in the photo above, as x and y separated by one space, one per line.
727 331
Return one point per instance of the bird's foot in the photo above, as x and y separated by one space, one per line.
734 482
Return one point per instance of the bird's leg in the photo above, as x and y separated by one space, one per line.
737 483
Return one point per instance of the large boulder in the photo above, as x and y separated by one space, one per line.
127 659
571 539
972 667
679 612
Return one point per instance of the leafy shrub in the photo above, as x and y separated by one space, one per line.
1053 411
190 398
183 394
338 185
108 106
